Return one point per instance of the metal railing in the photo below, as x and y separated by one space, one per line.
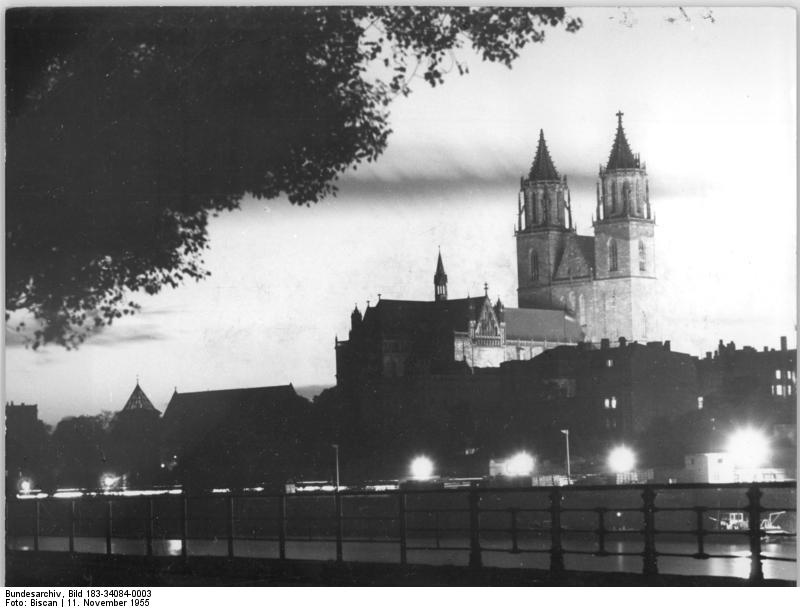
426 520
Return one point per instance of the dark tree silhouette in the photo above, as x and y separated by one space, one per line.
127 127
80 450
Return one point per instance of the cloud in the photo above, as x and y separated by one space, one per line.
114 336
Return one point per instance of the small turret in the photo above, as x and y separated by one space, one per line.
440 281
355 317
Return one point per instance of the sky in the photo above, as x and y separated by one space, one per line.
709 103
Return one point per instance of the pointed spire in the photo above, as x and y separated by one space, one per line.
139 401
542 168
621 156
440 280
440 265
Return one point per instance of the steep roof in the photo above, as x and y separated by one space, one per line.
422 317
542 168
192 416
139 401
542 324
621 156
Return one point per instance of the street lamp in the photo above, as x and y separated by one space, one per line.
566 434
108 481
520 464
621 460
748 447
422 468
25 485
336 450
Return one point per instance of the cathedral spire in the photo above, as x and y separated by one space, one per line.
621 156
542 168
440 280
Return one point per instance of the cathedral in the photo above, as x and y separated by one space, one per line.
571 288
606 281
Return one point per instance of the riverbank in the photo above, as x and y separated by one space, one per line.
63 569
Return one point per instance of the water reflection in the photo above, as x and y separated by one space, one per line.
388 552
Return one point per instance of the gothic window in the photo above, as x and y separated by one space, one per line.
534 266
642 256
626 197
612 256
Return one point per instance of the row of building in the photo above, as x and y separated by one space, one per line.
469 380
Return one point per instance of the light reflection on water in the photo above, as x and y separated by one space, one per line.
389 552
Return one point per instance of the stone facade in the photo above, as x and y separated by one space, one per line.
606 281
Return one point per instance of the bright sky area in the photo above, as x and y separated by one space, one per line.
709 104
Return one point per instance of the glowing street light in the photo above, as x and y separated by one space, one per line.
621 460
749 447
108 481
422 468
25 486
520 464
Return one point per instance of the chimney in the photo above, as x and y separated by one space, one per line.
766 349
623 341
783 343
667 346
604 343
708 354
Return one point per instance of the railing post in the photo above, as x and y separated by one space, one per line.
149 527
601 531
282 527
71 526
184 525
436 529
36 521
754 515
556 551
474 528
700 532
514 543
401 516
339 532
650 565
229 506
108 526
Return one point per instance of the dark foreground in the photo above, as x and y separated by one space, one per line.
62 569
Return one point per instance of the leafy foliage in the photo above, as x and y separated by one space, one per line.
128 127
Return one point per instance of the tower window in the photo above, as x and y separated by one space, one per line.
642 256
778 374
534 266
700 402
612 256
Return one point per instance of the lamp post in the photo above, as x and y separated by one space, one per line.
336 450
566 434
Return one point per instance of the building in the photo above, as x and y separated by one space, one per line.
721 467
242 437
25 443
134 435
608 395
732 377
605 281
399 338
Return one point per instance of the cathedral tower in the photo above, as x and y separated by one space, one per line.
624 243
606 282
440 281
543 219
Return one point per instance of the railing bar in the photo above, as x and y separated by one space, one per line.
458 548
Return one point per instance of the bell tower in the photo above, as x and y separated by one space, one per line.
624 242
544 219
